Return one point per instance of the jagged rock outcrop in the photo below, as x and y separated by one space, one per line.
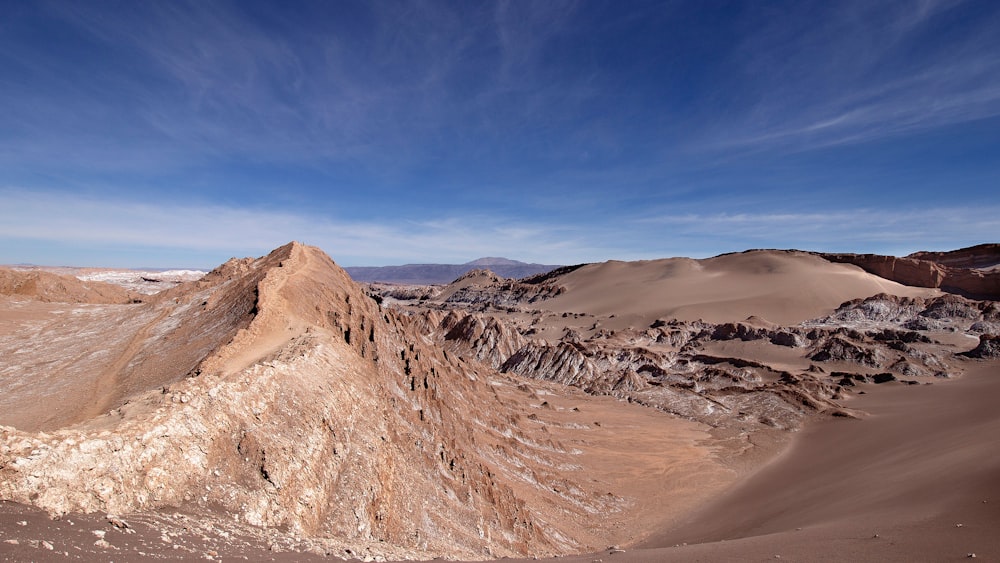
981 256
678 334
659 367
320 412
492 342
483 288
838 348
666 366
883 311
952 307
988 347
563 362
404 292
881 308
970 272
747 332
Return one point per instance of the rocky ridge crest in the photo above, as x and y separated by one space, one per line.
321 412
970 272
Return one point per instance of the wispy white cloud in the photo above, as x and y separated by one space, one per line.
171 83
222 231
219 232
858 71
541 131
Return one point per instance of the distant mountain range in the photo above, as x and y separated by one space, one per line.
426 274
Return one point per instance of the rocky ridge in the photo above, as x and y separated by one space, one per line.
278 393
969 271
319 412
709 372
666 367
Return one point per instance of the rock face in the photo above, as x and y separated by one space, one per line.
970 272
662 367
989 347
317 411
906 314
491 340
704 371
485 289
981 256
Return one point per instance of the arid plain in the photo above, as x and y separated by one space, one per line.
759 405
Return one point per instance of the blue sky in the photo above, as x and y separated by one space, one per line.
181 134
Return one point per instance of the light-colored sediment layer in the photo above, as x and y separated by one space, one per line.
277 393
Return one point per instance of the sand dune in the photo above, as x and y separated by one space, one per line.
924 461
784 287
916 480
276 401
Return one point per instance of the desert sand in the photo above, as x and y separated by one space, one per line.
781 287
916 480
752 406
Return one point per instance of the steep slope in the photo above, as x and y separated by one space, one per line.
979 257
311 408
971 272
89 359
914 482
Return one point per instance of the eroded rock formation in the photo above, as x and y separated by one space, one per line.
314 409
405 422
673 365
970 271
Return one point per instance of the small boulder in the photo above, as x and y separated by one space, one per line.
883 377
